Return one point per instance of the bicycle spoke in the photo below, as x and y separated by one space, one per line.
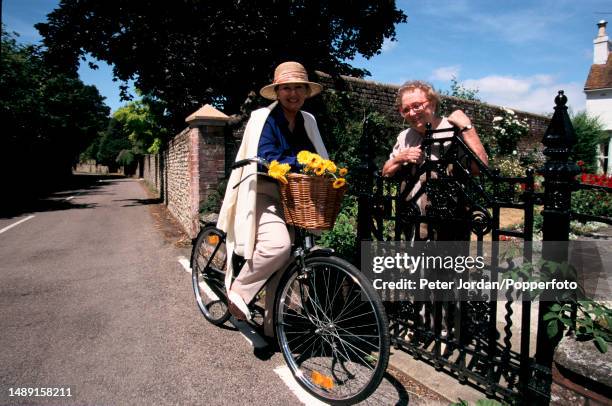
316 301
353 348
359 337
331 339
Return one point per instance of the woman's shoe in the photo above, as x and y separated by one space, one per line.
237 307
236 312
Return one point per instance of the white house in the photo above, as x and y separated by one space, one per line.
598 90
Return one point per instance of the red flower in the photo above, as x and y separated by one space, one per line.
580 163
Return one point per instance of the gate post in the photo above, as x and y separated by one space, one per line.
559 173
365 186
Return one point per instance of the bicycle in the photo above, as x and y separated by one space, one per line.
330 324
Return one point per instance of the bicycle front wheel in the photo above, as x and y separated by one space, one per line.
208 267
332 330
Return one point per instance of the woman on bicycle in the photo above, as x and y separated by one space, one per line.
252 215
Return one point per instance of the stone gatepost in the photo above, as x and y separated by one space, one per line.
206 158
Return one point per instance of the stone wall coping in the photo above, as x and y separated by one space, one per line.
581 357
207 115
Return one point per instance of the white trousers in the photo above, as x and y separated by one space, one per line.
272 243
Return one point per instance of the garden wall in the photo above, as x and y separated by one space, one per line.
190 167
381 98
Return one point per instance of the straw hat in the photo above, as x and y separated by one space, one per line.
289 72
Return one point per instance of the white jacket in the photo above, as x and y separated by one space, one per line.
237 214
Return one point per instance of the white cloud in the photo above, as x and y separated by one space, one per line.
535 94
388 45
446 73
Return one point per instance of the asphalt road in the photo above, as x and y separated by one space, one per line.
94 299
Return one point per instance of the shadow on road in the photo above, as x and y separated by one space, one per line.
40 198
139 202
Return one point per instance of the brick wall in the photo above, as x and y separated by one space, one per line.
151 171
381 97
90 166
192 167
211 160
181 177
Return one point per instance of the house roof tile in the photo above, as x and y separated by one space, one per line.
600 76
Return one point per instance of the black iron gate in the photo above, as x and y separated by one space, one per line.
473 340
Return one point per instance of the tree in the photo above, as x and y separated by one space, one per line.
112 142
589 134
199 51
48 117
143 121
458 90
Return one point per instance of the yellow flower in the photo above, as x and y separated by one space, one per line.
278 171
330 166
320 170
315 161
342 171
338 183
303 157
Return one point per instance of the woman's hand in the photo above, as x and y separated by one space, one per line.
411 155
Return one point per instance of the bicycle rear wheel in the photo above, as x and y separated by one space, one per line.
208 267
332 330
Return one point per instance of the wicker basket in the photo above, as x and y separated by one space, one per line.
310 201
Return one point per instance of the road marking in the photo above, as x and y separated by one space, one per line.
255 340
185 262
306 398
16 224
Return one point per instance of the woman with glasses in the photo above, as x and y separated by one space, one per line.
418 102
252 215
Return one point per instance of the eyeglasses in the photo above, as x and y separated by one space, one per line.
416 107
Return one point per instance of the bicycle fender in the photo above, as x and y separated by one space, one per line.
321 252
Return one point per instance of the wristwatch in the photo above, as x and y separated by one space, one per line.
467 128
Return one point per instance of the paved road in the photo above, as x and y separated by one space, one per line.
93 298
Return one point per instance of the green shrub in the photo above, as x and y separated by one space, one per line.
125 157
507 130
593 202
509 166
340 117
343 237
213 203
589 134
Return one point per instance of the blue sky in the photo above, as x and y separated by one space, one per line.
516 53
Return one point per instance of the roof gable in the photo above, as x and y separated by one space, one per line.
600 76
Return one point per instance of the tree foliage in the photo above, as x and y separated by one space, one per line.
48 117
134 129
589 134
112 141
143 121
198 51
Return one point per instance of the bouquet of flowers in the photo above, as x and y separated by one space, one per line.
312 197
312 164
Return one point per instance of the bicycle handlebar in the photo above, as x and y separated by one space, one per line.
244 162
